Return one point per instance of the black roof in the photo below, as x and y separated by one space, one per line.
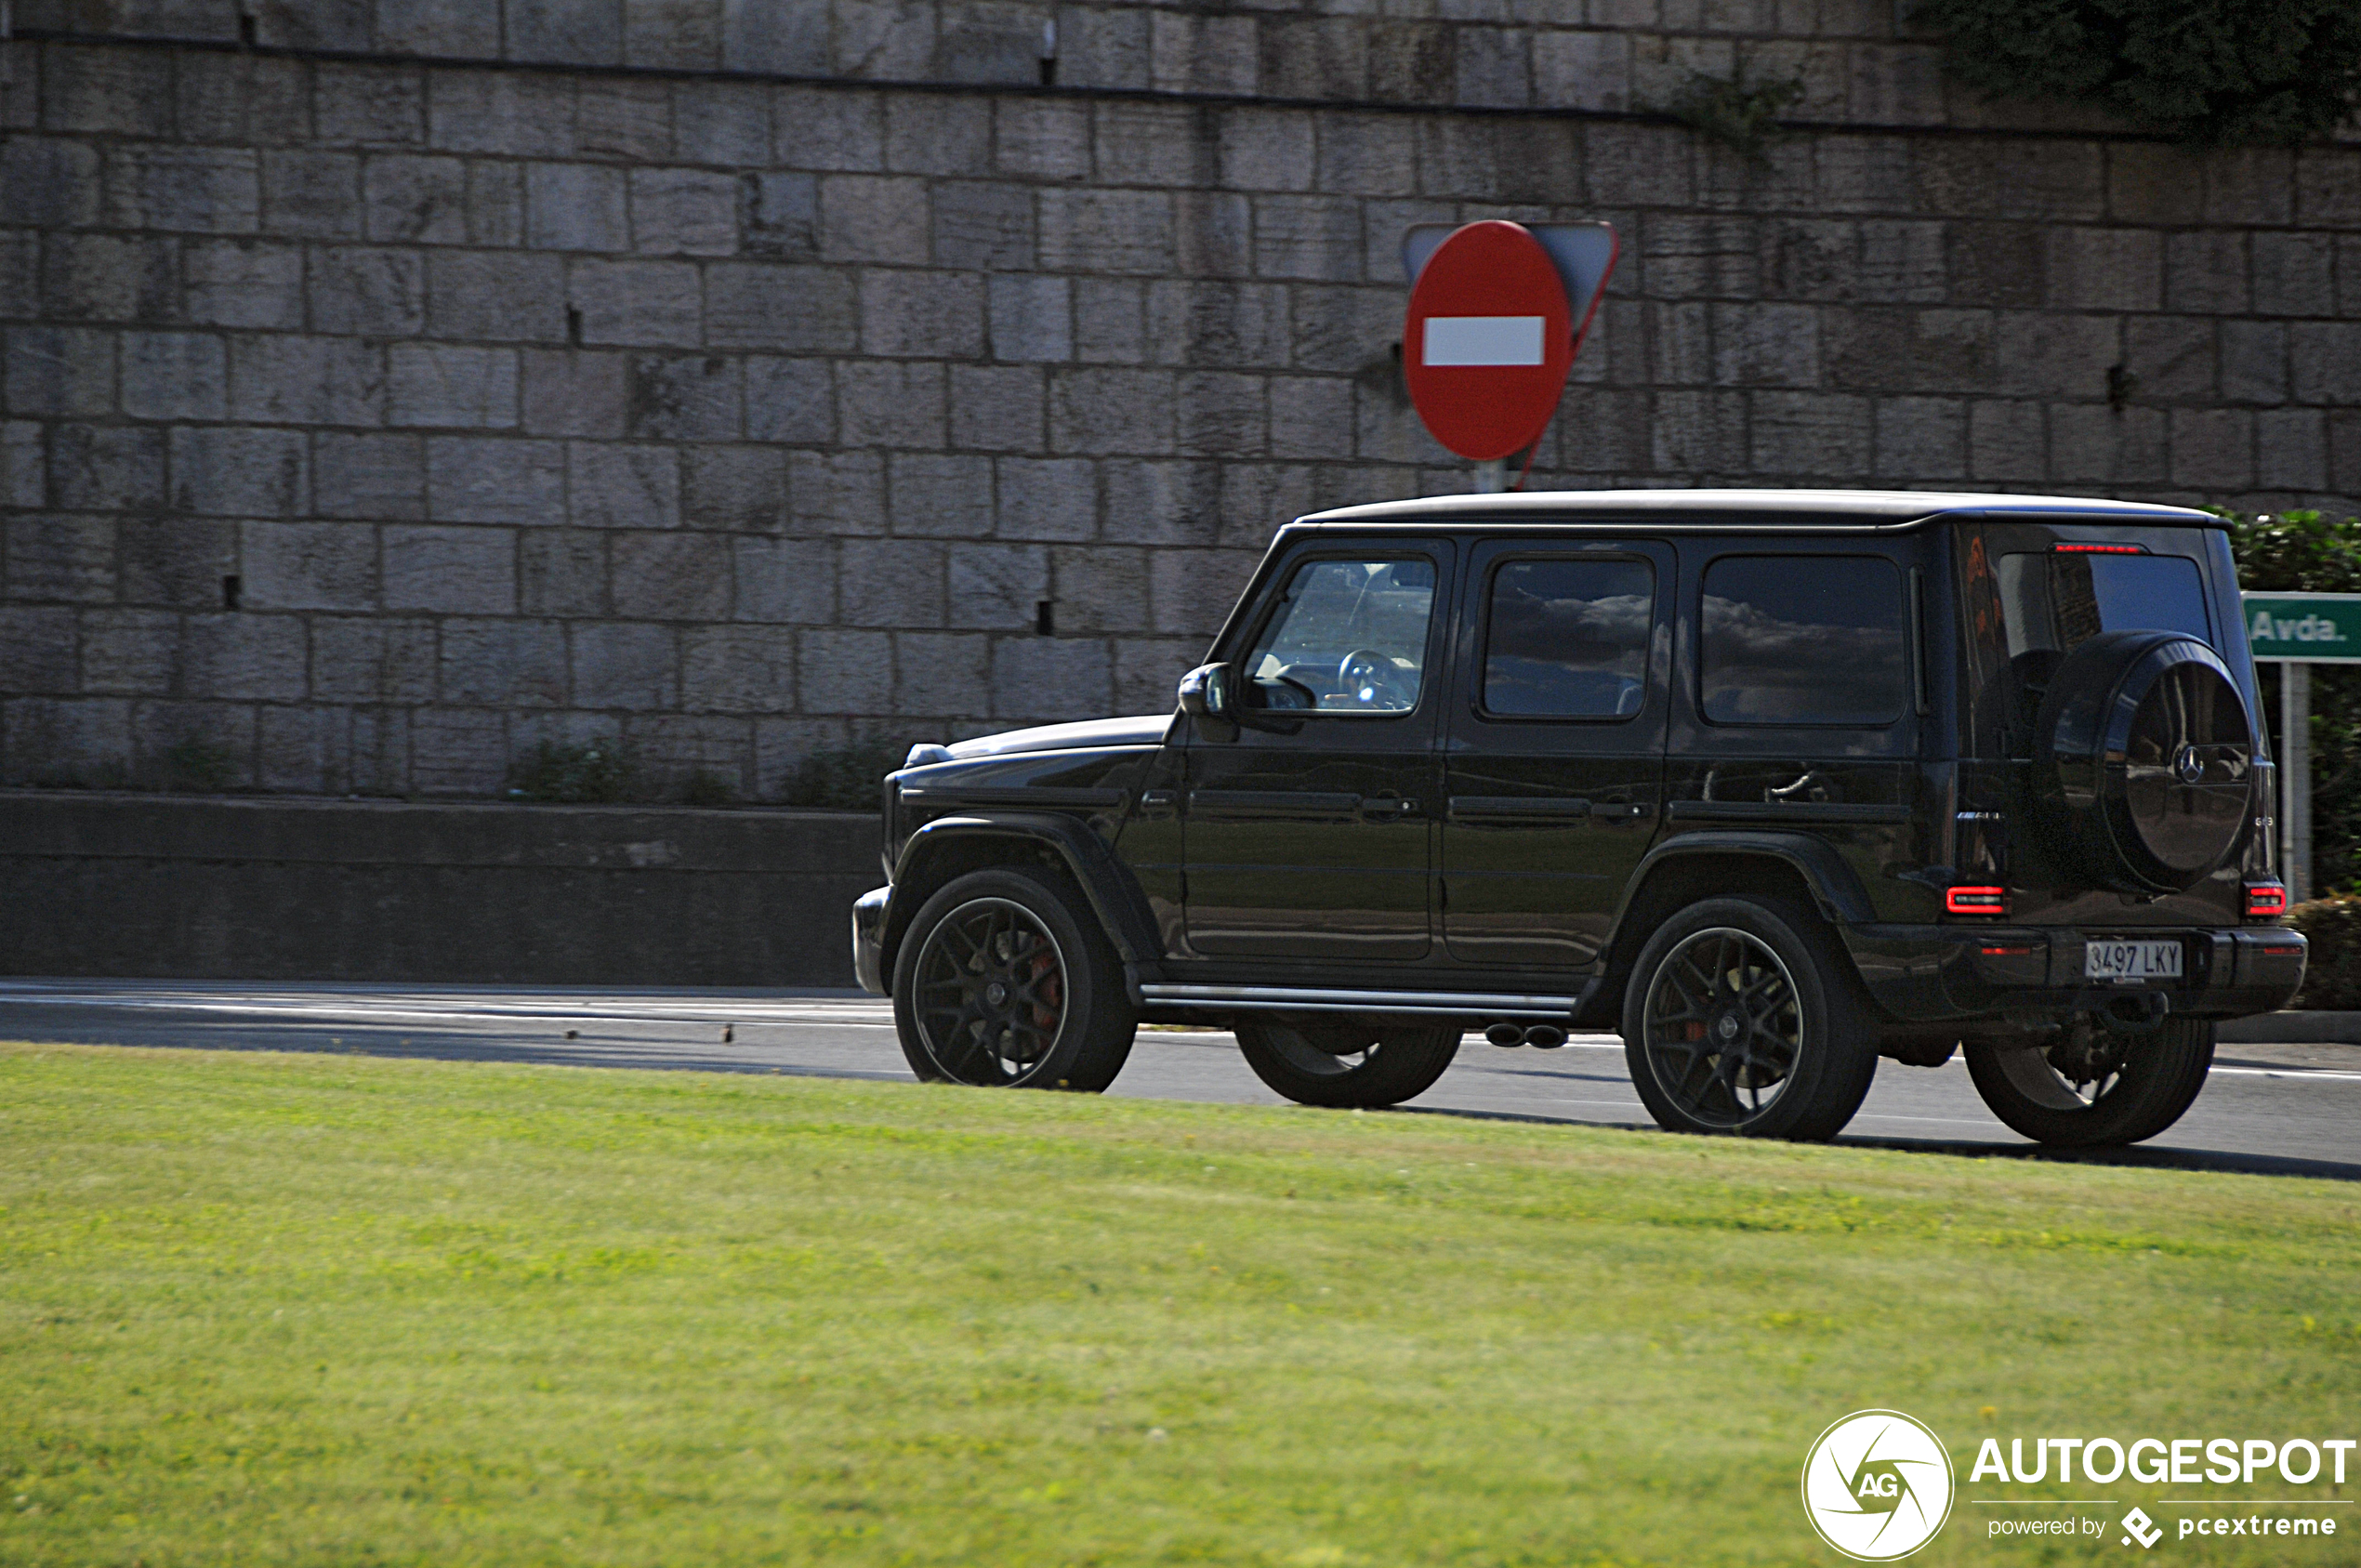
1758 508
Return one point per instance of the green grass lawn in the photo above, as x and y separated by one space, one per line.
262 1310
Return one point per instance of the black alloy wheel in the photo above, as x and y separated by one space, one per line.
2090 1087
1347 1063
1724 1027
1000 983
992 992
1741 1018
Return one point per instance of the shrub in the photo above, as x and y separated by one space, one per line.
2207 72
2304 552
2332 974
1741 115
593 773
706 787
845 778
197 766
2295 552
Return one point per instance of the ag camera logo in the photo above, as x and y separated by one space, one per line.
1877 1485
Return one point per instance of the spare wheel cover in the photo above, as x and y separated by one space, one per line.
2144 760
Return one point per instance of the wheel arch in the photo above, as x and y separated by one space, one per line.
951 847
1794 867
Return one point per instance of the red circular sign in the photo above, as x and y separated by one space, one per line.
1489 340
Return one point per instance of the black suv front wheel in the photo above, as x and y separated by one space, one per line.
1347 1064
1005 980
1740 1019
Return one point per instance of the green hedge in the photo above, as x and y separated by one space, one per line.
2207 71
2304 552
2333 975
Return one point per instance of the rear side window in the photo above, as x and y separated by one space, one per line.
1568 639
1802 639
2053 601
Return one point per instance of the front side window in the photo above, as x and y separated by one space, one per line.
1348 636
1802 639
1568 639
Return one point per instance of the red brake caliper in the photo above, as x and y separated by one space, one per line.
1045 1009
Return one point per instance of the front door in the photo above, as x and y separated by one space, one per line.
1307 826
1554 765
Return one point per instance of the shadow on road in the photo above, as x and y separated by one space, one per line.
2136 1156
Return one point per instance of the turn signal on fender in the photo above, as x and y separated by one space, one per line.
2266 900
1975 901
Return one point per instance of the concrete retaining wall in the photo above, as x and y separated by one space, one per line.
737 380
99 884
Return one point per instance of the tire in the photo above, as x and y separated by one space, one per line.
1764 980
2159 1077
2143 756
1347 1064
1005 980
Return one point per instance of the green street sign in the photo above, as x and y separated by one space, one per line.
2323 628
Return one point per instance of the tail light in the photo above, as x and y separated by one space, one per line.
1975 901
2266 900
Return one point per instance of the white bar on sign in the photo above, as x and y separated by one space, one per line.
1484 340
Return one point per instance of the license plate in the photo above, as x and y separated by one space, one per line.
2131 960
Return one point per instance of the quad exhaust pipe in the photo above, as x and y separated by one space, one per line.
1541 1037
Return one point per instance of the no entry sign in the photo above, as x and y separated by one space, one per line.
1494 327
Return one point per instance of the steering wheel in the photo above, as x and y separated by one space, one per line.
1284 691
1370 680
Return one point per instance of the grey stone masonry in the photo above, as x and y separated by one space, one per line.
388 389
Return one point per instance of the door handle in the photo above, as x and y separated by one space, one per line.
1388 808
1159 800
1620 811
1479 808
1812 788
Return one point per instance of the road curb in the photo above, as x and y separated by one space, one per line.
2294 1027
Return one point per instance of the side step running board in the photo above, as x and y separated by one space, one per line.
1310 999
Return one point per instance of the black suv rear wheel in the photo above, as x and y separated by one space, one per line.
2098 1091
1347 1064
1005 980
1741 1018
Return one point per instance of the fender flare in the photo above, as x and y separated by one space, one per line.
1114 897
1836 888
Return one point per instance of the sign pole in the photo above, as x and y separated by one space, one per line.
1492 476
2295 817
2299 630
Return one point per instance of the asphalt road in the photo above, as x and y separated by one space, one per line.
2292 1109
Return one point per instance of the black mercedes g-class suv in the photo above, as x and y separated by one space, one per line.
1773 783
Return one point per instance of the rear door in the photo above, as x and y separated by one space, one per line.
1554 760
1797 699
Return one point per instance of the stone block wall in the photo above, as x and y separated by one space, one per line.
390 387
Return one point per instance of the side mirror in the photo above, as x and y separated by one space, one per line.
1206 692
